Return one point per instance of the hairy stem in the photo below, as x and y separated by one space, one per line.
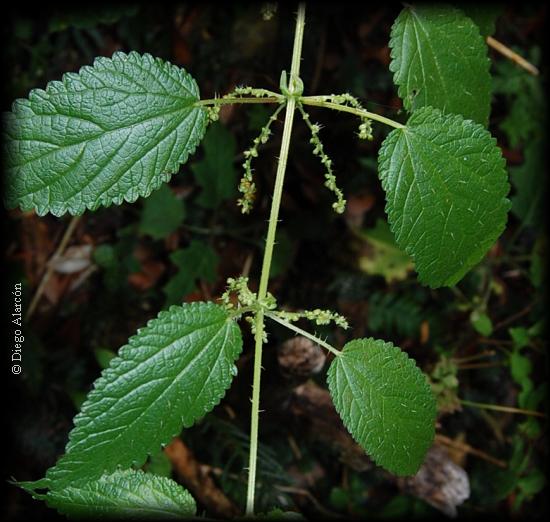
266 265
315 339
318 101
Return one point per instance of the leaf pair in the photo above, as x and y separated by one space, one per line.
119 129
443 174
178 368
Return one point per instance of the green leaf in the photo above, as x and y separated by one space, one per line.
162 213
168 376
439 59
520 368
197 261
124 494
481 322
484 15
520 336
384 257
216 173
111 133
385 402
446 193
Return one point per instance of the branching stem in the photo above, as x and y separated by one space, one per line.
313 338
266 265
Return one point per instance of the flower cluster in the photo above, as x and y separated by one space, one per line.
246 298
247 301
247 186
318 316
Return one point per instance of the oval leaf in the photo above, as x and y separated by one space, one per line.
439 59
124 494
112 132
446 190
385 402
169 375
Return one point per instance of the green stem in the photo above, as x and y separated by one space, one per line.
318 101
266 265
315 339
497 407
238 99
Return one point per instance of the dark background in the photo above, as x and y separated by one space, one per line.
318 264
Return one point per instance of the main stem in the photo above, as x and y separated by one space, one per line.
266 265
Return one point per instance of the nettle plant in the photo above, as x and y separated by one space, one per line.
119 129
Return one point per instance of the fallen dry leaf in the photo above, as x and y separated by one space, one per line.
75 259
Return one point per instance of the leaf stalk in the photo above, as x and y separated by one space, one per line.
319 101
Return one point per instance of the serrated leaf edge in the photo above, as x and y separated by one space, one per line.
395 62
105 475
104 200
420 378
81 416
451 119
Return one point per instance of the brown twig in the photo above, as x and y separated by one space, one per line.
504 409
513 56
198 481
442 439
51 265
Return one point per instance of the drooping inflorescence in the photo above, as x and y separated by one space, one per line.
330 179
247 186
